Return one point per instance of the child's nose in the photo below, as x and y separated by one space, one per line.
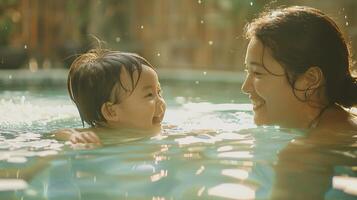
161 105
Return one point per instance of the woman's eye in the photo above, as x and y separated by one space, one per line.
254 73
149 95
257 73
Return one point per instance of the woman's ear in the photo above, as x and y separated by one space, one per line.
313 78
109 112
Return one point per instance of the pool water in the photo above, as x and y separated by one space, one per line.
213 151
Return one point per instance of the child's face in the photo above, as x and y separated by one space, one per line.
144 108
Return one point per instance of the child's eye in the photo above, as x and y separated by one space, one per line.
159 92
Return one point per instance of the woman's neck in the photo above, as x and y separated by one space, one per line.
335 118
314 123
306 117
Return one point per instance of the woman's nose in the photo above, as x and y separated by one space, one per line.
247 85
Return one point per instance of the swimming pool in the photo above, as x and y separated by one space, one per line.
214 152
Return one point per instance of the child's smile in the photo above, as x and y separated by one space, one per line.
144 108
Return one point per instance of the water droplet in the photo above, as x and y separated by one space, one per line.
117 39
345 16
251 3
204 73
158 54
33 65
25 47
202 22
142 27
347 23
10 76
23 99
197 82
46 63
210 42
200 191
180 100
199 1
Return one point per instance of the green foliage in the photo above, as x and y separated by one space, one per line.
6 24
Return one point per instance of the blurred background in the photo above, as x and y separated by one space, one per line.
172 34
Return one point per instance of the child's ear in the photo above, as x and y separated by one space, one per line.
109 112
311 79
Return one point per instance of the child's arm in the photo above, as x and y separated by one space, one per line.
77 136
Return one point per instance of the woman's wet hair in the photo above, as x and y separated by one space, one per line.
94 79
303 37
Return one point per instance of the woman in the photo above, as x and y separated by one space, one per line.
299 76
298 67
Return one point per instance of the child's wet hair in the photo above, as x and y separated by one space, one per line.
94 79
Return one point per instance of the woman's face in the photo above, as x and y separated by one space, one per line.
273 99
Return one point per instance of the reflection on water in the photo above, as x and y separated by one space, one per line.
232 191
12 184
214 151
345 184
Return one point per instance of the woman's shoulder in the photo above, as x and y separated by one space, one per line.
339 126
343 120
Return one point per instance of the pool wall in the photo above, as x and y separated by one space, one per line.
59 76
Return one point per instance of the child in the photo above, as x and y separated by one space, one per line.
113 90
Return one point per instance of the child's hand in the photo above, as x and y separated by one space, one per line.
77 136
83 146
84 137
